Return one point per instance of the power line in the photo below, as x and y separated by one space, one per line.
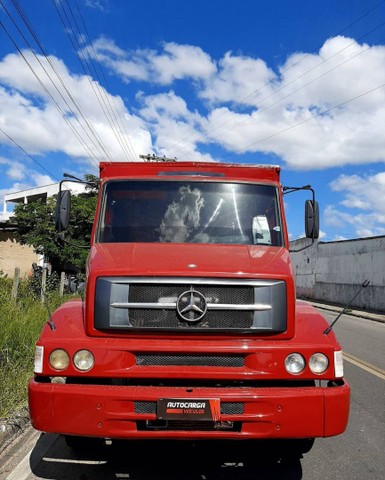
27 154
48 93
98 145
312 117
126 137
103 101
261 110
59 76
297 78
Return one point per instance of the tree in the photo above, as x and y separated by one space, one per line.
36 227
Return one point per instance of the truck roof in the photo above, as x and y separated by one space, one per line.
190 168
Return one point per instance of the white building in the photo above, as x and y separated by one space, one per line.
12 254
33 194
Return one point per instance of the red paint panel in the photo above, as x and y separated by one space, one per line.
108 411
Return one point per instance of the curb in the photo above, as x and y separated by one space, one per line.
11 427
376 317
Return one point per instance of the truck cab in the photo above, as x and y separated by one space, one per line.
189 327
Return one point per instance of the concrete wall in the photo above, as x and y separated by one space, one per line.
334 271
13 255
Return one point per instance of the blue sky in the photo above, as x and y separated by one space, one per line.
297 83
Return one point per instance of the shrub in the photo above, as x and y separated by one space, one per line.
21 321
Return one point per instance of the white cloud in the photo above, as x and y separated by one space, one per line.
239 80
324 110
127 65
101 5
361 196
174 62
362 193
320 110
169 113
15 170
95 121
181 61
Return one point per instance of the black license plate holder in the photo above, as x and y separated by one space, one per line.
197 409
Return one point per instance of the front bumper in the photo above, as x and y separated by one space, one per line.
118 412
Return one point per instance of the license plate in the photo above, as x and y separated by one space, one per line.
188 409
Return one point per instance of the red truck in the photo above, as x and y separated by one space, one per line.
189 327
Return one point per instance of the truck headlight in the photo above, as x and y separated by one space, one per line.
84 360
294 363
59 359
318 363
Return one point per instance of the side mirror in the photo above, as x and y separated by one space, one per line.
63 207
312 219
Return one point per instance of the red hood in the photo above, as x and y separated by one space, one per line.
170 259
186 261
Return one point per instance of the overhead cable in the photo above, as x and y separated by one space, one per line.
71 25
295 79
126 137
27 154
312 117
92 131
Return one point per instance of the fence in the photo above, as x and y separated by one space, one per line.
43 280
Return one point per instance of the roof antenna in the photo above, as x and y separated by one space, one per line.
364 285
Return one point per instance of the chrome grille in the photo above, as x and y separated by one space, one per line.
190 304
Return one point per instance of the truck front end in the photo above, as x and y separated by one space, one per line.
190 326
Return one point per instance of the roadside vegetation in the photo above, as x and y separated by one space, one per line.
36 226
21 320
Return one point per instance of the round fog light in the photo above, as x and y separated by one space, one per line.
83 360
59 359
318 363
294 363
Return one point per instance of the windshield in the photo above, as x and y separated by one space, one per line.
189 212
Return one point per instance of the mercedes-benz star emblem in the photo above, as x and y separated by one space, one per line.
191 305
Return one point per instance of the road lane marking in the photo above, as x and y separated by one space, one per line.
77 461
378 372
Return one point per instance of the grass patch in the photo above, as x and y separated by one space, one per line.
21 321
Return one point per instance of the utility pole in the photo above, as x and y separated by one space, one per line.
154 158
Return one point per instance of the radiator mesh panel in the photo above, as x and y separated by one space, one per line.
145 359
227 408
168 318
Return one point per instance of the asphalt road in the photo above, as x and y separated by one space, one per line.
358 454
